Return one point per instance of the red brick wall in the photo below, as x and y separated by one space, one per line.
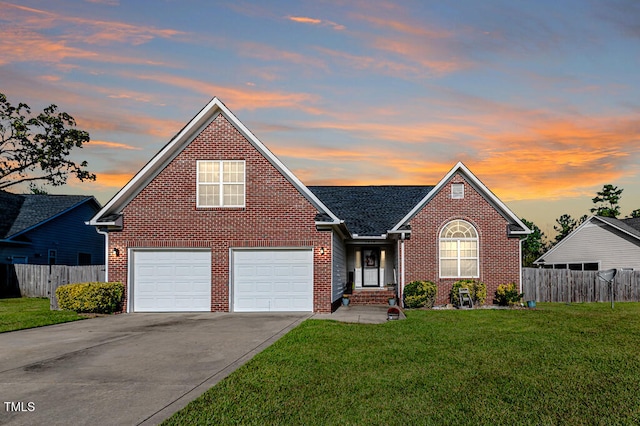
499 255
164 214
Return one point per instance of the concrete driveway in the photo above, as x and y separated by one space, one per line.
126 369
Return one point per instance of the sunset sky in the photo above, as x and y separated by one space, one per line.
540 99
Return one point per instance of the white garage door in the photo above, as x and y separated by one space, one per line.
171 280
272 280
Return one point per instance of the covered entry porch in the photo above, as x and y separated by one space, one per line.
372 272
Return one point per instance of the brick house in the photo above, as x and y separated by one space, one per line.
216 222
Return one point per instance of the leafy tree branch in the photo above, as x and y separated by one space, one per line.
37 148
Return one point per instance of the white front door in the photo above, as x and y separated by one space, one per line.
370 267
272 280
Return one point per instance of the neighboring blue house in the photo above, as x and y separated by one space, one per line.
49 230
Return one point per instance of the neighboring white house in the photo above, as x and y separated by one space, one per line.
598 243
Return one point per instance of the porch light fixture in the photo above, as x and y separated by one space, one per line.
116 251
322 251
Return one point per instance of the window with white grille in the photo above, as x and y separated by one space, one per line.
459 250
221 183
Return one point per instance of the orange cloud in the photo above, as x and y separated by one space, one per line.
19 46
304 20
268 53
140 124
23 35
418 44
382 65
542 159
114 145
403 27
557 159
107 2
314 21
89 31
113 180
437 59
238 98
405 132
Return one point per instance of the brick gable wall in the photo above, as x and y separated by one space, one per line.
499 255
164 214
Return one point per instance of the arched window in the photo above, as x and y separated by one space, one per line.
459 250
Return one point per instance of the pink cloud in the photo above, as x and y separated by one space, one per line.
315 21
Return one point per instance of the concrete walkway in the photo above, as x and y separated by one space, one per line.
127 369
367 314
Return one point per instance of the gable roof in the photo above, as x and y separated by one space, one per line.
107 216
628 226
20 213
515 227
370 210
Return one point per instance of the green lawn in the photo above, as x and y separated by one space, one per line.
29 312
559 364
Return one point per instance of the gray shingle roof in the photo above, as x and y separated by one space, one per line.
633 222
629 225
370 210
19 212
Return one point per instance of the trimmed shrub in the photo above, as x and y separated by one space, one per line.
97 298
418 294
507 295
477 290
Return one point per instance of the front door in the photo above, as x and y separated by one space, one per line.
371 267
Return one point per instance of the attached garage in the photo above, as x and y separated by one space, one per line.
272 280
170 280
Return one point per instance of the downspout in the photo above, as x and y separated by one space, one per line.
402 274
520 260
106 253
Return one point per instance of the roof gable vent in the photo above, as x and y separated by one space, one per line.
457 191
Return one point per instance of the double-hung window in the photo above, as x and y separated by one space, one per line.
221 183
459 250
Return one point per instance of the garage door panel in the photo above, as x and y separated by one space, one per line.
282 271
298 303
262 287
281 303
245 288
201 271
282 287
300 271
263 271
171 280
184 270
273 280
245 271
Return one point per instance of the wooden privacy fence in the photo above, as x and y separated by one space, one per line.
564 285
43 280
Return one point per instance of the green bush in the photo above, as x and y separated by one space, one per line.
507 295
418 294
99 298
477 290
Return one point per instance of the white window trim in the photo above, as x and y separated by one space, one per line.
458 257
221 184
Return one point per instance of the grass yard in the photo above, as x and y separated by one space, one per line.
559 364
29 312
